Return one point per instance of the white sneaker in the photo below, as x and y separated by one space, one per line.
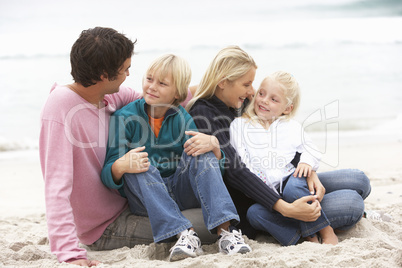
377 215
232 242
188 245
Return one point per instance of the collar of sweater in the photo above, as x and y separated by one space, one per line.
221 106
171 111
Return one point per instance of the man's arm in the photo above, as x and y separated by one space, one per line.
56 156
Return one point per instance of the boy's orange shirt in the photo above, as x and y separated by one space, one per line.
156 124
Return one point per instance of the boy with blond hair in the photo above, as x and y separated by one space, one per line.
181 172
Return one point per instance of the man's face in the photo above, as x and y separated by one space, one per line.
114 85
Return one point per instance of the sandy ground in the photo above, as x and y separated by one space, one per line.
24 240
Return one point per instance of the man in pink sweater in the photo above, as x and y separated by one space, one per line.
74 129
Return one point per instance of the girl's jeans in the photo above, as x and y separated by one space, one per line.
296 188
343 205
196 183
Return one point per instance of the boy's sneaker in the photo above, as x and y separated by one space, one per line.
377 215
232 242
188 245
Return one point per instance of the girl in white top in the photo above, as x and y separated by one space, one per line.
267 140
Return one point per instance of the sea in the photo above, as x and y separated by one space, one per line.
345 54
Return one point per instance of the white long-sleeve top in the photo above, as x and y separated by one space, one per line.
268 152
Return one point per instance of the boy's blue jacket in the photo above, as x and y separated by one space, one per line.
129 128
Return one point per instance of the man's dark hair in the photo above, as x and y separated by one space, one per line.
99 51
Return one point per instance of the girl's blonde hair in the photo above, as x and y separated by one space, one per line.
229 64
180 70
290 88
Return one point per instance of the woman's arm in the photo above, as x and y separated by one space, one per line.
300 209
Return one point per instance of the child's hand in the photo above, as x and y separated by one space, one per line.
202 143
303 169
134 161
315 186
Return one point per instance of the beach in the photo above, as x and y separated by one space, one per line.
370 243
345 54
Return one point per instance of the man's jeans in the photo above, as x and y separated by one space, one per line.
196 183
343 204
129 230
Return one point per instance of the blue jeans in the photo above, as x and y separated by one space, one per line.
296 188
196 183
343 204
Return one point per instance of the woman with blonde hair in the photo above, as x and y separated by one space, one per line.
229 65
220 97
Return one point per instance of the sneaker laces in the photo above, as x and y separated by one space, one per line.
188 237
234 236
232 242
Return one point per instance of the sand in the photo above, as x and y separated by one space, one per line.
24 240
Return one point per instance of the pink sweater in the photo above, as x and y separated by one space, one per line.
72 151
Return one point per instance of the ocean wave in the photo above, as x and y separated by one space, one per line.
246 46
389 124
274 21
32 56
22 144
365 8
